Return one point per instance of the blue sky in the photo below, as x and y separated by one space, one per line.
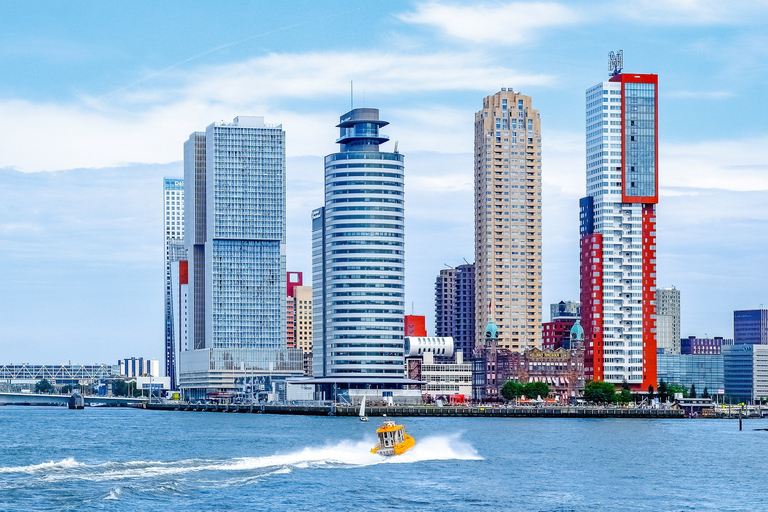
98 97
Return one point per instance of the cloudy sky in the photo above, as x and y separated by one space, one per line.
96 99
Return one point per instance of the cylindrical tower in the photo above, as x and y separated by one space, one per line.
363 254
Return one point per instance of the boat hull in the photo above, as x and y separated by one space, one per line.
398 449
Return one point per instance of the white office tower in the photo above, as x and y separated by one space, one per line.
358 259
235 234
618 230
173 205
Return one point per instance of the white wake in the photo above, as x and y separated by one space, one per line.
344 454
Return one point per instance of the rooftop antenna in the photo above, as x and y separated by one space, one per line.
615 63
465 261
413 309
396 142
351 96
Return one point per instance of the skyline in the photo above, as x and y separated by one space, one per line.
83 248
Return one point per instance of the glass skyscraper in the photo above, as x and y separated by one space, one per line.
173 204
358 257
235 184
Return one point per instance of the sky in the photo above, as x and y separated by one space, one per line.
97 98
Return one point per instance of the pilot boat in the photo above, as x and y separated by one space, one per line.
392 440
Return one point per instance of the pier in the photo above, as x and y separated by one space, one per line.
418 411
40 399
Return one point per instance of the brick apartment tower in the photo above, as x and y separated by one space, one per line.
618 230
508 220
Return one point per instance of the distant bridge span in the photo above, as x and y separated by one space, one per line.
38 399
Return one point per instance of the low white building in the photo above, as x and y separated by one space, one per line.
440 377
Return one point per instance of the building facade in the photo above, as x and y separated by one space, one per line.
508 220
745 372
668 320
138 367
565 309
618 230
173 224
557 333
445 291
415 325
358 257
703 346
750 327
234 177
703 371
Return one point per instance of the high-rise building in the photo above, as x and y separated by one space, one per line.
180 308
299 318
455 307
234 177
750 327
618 230
464 310
358 259
508 220
445 291
173 206
668 320
294 279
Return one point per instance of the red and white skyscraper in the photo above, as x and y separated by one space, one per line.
618 230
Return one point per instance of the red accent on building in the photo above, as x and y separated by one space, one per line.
415 325
183 272
649 297
592 304
626 78
294 279
555 333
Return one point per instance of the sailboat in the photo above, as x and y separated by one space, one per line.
363 417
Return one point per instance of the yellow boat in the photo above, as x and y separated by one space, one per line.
392 440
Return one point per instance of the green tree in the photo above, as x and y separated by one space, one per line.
663 391
625 385
122 388
600 392
43 386
705 394
692 394
676 388
624 397
650 392
512 390
536 389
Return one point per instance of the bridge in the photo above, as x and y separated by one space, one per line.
38 399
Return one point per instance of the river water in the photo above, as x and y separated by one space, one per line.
52 458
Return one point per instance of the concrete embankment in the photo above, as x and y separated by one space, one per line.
405 411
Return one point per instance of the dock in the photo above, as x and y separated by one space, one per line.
421 411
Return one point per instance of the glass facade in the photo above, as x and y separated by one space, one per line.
358 257
703 371
237 207
639 139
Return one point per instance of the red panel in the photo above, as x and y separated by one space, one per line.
291 322
183 272
649 297
294 279
592 304
415 325
639 79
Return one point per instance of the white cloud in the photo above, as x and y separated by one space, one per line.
149 124
692 12
506 23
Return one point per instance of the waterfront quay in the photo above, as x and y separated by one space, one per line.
412 411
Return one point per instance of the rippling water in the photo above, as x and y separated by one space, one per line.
121 459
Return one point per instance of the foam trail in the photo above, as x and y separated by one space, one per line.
346 454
